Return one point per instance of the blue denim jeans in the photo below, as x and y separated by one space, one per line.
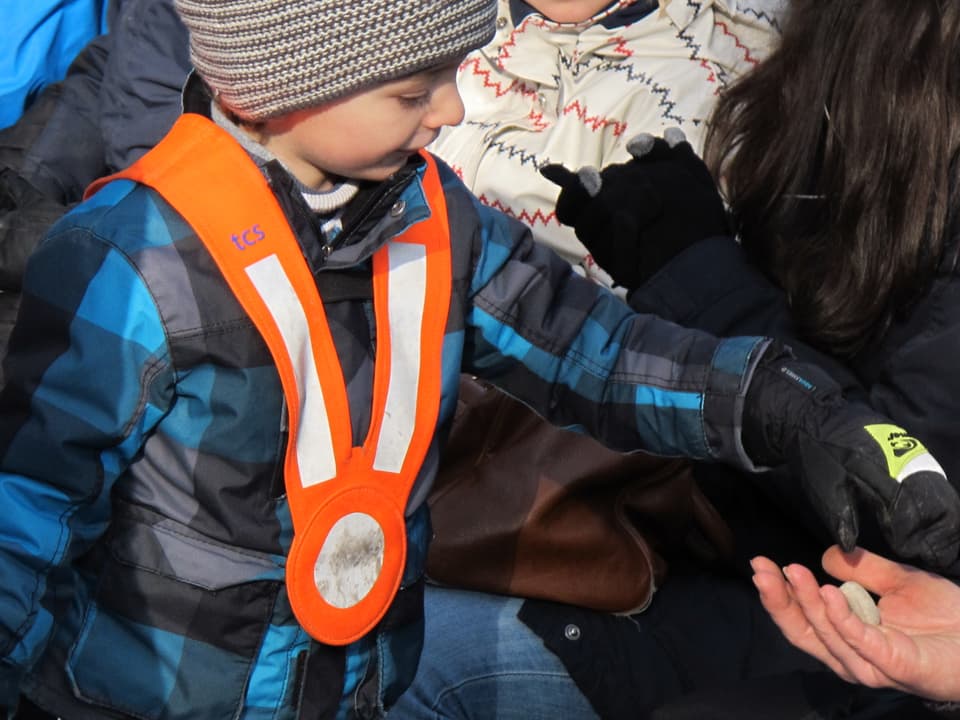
479 661
704 650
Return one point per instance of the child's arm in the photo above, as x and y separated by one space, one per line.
86 381
661 217
578 356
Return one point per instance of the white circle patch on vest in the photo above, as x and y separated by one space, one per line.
350 560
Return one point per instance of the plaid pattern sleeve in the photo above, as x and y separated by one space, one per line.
544 92
67 433
578 355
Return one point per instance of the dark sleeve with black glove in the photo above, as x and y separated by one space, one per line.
846 457
634 217
657 225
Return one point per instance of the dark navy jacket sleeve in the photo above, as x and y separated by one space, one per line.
913 378
140 97
47 159
910 376
120 96
712 286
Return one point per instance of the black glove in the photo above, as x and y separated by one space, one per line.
847 455
634 217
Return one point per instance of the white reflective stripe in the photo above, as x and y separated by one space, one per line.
314 443
926 461
407 295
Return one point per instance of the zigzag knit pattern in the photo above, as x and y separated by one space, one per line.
543 92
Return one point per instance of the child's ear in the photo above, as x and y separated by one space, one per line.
256 130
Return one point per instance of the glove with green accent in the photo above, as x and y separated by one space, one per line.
847 456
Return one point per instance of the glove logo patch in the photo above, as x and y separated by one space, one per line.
903 452
901 444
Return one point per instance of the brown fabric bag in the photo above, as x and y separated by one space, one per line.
523 508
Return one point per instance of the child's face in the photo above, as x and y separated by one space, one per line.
368 135
569 11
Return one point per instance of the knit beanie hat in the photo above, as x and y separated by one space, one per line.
265 58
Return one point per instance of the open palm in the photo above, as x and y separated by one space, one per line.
916 647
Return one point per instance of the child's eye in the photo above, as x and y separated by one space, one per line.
418 100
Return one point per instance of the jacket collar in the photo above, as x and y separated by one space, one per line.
371 203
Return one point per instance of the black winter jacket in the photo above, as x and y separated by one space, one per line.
624 664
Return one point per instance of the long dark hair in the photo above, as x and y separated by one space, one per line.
837 155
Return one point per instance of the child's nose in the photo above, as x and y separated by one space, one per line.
447 106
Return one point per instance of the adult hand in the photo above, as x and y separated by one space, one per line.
916 646
634 217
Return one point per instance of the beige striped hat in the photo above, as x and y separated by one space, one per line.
265 58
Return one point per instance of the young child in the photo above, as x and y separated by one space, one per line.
571 81
235 363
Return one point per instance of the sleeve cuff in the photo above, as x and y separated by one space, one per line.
733 366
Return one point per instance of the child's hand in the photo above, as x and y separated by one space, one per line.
634 217
847 456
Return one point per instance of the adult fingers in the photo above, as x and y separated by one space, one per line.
872 657
779 601
806 593
877 574
812 600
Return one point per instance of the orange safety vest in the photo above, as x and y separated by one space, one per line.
347 503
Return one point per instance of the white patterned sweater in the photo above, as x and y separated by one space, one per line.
543 92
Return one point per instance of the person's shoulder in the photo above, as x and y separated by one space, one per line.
455 191
763 14
469 217
125 214
458 194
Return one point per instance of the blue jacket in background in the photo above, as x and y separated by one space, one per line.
41 39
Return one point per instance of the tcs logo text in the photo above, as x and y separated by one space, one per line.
249 237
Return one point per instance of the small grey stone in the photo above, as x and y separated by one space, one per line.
860 602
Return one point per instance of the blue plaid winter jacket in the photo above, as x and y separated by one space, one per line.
142 434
